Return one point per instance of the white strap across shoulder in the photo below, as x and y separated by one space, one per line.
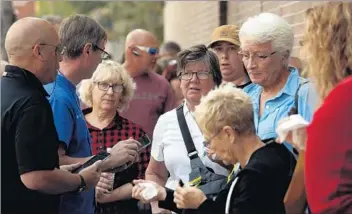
228 200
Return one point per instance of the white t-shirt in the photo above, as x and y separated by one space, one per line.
168 146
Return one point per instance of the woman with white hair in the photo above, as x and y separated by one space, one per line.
266 46
107 93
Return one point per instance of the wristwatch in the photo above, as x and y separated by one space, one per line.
82 186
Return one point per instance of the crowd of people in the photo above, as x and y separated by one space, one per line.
210 112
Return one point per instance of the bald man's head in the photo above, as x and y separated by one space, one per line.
141 51
140 37
27 32
33 44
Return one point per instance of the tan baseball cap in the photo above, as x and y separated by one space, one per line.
227 33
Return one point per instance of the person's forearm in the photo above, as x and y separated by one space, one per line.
56 181
168 202
110 164
211 207
66 160
161 181
151 176
124 192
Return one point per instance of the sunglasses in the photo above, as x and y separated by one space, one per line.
149 50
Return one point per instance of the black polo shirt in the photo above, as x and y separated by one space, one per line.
29 141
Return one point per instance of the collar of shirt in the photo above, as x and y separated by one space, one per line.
244 85
63 79
186 110
289 88
115 123
17 72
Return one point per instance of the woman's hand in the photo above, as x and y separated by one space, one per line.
188 197
297 138
137 191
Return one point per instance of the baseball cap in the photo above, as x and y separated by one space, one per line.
227 33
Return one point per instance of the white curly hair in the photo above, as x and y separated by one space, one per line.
268 27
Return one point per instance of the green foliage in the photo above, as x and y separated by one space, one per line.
85 7
122 17
61 8
117 17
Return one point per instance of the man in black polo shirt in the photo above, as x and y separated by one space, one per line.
31 180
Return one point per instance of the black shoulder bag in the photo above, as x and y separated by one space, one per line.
202 177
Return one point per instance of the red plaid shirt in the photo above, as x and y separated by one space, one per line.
119 129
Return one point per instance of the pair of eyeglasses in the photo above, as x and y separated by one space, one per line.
260 56
149 50
206 143
59 49
116 88
202 75
104 54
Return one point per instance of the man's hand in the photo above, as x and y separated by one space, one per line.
106 183
123 152
91 174
188 197
70 167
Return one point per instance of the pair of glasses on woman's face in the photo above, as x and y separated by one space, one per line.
103 86
207 143
257 56
202 75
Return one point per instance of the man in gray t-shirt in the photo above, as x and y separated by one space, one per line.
153 95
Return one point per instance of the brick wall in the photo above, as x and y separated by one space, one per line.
190 23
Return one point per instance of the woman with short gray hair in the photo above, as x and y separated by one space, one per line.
266 46
199 72
225 116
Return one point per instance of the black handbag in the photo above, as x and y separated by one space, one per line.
201 176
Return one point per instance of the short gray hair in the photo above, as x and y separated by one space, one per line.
106 71
268 27
200 53
226 106
78 30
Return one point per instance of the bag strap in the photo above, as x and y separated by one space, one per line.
186 135
294 109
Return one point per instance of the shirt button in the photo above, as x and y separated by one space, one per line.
267 107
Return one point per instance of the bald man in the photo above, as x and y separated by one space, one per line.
31 178
153 95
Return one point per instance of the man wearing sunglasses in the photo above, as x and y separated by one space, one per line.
153 95
85 41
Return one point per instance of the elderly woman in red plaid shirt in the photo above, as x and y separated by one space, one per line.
107 93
